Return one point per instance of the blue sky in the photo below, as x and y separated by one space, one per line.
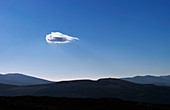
117 38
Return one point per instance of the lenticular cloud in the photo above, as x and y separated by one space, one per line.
59 38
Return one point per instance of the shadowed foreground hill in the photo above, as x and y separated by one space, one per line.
102 88
52 103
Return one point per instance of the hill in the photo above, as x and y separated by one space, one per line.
148 79
102 88
21 79
53 103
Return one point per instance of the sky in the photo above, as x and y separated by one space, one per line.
110 38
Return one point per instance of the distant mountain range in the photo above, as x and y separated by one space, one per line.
102 88
21 79
148 79
125 88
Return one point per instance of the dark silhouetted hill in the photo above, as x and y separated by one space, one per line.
102 88
157 80
53 103
20 79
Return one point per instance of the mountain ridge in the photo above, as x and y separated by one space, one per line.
149 79
102 88
21 79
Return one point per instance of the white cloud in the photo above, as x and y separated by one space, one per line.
59 38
